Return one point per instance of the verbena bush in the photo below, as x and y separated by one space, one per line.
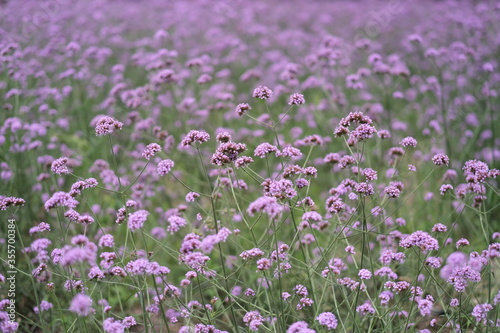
226 166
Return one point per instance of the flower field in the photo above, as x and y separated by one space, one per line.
264 166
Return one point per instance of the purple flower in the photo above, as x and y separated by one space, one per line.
129 321
81 185
151 150
365 309
365 189
425 306
462 242
242 108
362 132
44 306
364 274
392 191
60 167
145 267
249 293
95 273
253 320
196 261
253 253
268 205
60 199
106 241
480 312
445 188
107 125
296 99
370 174
385 297
300 327
327 319
262 92
434 262
439 227
81 304
195 137
243 161
291 152
164 167
191 196
13 201
136 220
175 223
441 159
110 325
459 277
265 149
420 239
227 152
475 171
334 205
408 142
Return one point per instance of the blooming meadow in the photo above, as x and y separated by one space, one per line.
228 166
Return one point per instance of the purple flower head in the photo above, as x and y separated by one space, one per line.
191 196
445 188
364 274
480 312
136 220
392 191
81 305
107 125
420 239
253 320
106 241
434 262
365 309
365 189
475 171
151 150
441 159
408 142
370 174
264 149
195 136
242 108
110 325
164 167
145 267
327 319
362 132
296 99
334 204
439 227
60 199
81 185
262 92
227 152
13 201
300 327
253 253
44 306
129 321
60 167
462 242
268 205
